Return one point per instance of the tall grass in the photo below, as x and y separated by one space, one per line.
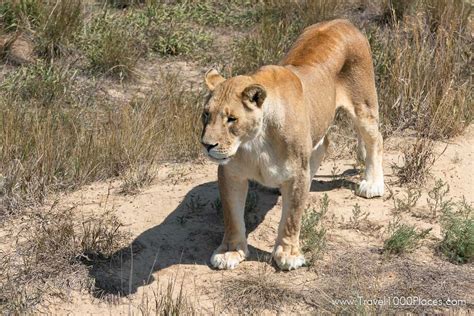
56 145
53 23
421 64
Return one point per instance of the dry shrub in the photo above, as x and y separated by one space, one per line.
402 237
313 232
49 253
457 224
418 158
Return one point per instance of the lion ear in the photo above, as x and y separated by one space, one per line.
213 79
255 94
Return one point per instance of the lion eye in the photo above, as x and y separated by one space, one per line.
231 119
205 116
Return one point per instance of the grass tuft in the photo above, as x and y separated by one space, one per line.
62 146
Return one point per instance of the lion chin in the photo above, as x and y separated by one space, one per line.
219 161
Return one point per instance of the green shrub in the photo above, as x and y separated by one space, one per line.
313 234
458 233
402 238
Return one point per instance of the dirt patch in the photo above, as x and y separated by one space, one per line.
176 226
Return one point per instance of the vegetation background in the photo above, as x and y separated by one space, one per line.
97 90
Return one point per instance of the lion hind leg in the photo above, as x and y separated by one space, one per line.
363 109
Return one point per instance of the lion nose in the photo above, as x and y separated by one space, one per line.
208 146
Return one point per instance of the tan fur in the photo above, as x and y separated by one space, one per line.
270 127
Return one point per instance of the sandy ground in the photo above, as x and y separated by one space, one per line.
174 229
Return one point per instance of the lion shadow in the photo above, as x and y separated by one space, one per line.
188 235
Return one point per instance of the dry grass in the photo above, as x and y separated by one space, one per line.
253 294
421 60
165 301
52 145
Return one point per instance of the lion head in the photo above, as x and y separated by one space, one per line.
232 115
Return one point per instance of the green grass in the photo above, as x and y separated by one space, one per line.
40 83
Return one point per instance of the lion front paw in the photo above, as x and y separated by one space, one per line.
286 260
370 189
227 260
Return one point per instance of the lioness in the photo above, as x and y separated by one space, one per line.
270 126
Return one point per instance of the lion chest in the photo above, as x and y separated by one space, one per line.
259 161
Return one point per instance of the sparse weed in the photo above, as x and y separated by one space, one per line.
181 219
217 206
357 216
408 202
313 234
137 177
251 204
458 233
165 302
402 237
437 199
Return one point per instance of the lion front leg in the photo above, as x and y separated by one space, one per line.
233 249
287 253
